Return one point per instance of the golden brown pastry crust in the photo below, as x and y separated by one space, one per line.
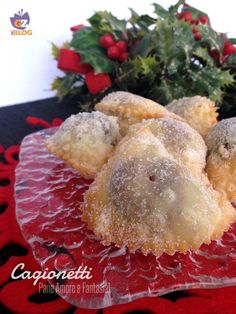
85 141
131 109
199 112
222 175
144 199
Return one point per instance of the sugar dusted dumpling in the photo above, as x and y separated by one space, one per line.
183 142
145 199
221 161
85 141
131 108
199 112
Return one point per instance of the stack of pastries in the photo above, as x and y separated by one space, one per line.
157 182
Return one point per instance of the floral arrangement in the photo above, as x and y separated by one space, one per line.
174 54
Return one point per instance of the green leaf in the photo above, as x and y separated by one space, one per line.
142 21
203 54
173 9
143 47
233 40
86 43
164 40
96 57
149 67
54 51
226 78
84 39
231 60
64 85
160 11
210 38
104 21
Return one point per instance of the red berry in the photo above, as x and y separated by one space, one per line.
228 48
194 30
124 56
107 40
187 16
194 22
215 55
204 19
197 36
121 45
113 52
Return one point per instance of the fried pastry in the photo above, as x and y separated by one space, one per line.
131 108
199 112
85 141
145 199
221 161
180 140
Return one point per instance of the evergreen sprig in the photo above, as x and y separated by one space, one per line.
166 59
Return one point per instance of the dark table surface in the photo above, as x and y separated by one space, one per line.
13 127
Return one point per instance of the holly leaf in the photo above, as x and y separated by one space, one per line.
233 40
143 47
203 54
226 78
160 11
210 38
150 67
104 21
231 60
96 57
164 39
64 85
173 9
143 21
54 51
84 39
86 43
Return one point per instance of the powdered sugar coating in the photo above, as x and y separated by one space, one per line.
85 141
131 108
183 142
221 138
147 200
221 161
92 125
199 112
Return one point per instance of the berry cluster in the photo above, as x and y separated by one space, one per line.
188 17
116 50
228 47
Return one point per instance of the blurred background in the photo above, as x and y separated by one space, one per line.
27 67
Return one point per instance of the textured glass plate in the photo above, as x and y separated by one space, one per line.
48 197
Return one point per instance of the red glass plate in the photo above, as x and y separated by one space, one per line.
48 198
